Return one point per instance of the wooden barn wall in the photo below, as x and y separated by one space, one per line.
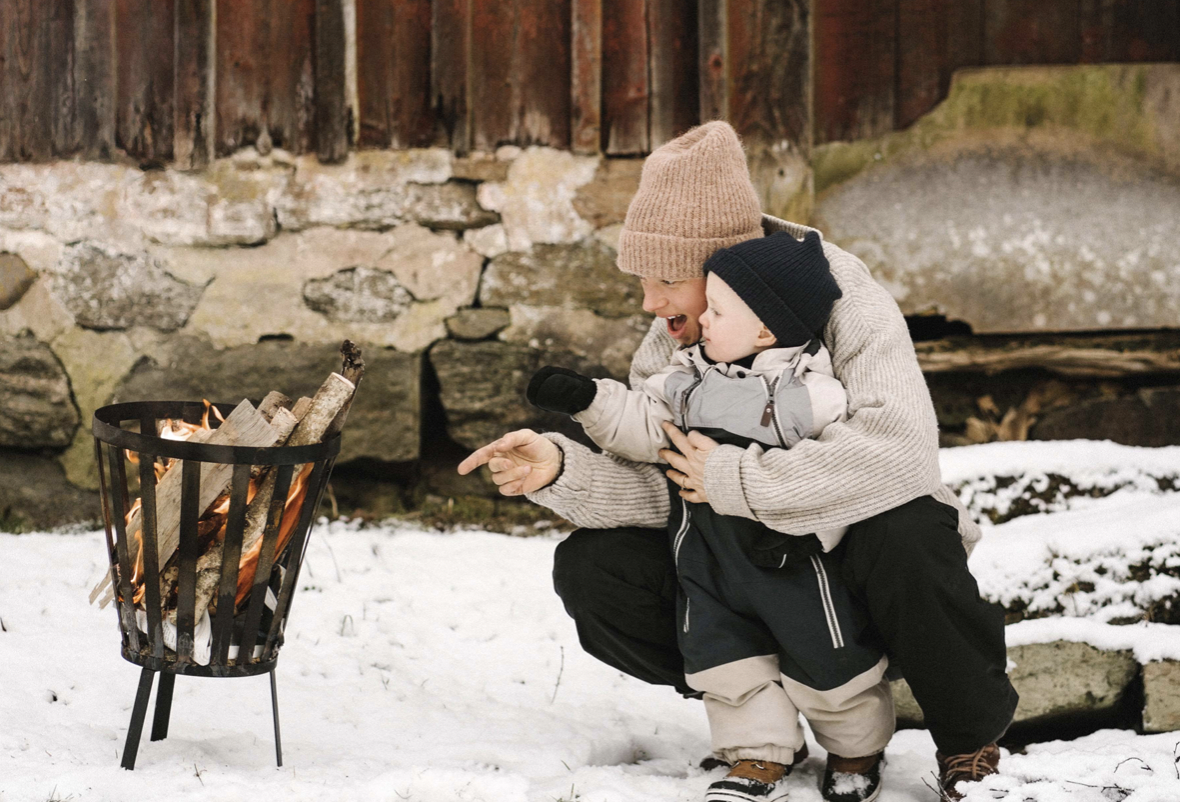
881 64
184 81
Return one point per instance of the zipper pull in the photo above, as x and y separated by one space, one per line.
767 413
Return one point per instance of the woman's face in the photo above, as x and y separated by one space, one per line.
680 303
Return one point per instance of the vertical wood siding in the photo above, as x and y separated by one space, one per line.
182 81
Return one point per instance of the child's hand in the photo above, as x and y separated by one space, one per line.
560 390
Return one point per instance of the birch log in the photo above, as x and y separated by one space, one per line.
243 427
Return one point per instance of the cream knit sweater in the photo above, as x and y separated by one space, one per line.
884 455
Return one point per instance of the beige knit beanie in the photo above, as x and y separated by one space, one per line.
695 197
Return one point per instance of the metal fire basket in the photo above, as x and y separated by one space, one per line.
148 650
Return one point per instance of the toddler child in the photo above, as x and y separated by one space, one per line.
767 628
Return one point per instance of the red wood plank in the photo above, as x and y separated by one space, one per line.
144 112
541 73
675 98
192 135
493 40
36 79
964 35
624 77
1032 32
393 73
450 45
769 62
94 78
923 58
712 69
855 43
586 76
265 74
331 105
520 73
1130 30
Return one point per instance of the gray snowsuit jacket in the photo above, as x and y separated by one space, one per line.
746 590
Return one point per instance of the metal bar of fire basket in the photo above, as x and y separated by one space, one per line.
151 559
119 517
112 553
231 555
186 586
265 560
295 550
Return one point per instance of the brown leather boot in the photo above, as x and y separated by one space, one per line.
750 781
971 767
852 779
712 762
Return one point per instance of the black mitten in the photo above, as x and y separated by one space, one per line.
777 550
561 390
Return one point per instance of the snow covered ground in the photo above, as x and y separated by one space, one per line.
436 667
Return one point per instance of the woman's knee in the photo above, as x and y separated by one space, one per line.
591 566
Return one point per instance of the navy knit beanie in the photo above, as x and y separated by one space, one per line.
786 282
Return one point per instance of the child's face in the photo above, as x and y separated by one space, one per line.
730 329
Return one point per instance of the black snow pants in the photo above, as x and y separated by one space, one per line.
906 566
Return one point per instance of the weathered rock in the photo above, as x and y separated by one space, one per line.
482 384
1059 680
604 200
477 324
536 202
1016 241
479 167
610 342
572 276
448 206
36 410
370 190
15 279
432 265
108 289
383 423
358 294
1150 417
1161 692
489 241
35 495
263 297
95 362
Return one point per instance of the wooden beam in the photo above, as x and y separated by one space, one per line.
1109 356
625 89
450 54
586 76
94 78
192 134
675 99
769 58
713 61
393 73
540 74
855 69
331 105
144 31
922 58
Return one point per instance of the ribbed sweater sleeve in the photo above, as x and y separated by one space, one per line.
602 491
883 455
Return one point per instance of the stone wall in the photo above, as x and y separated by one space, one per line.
1041 200
457 276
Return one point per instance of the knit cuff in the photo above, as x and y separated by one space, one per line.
573 480
723 482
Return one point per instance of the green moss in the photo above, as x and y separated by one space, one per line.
1104 104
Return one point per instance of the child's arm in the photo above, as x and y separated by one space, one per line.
628 423
624 422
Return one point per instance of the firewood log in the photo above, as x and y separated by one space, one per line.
243 427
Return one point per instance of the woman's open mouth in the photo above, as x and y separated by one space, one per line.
676 324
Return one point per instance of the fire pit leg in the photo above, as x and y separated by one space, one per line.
274 703
163 706
131 749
